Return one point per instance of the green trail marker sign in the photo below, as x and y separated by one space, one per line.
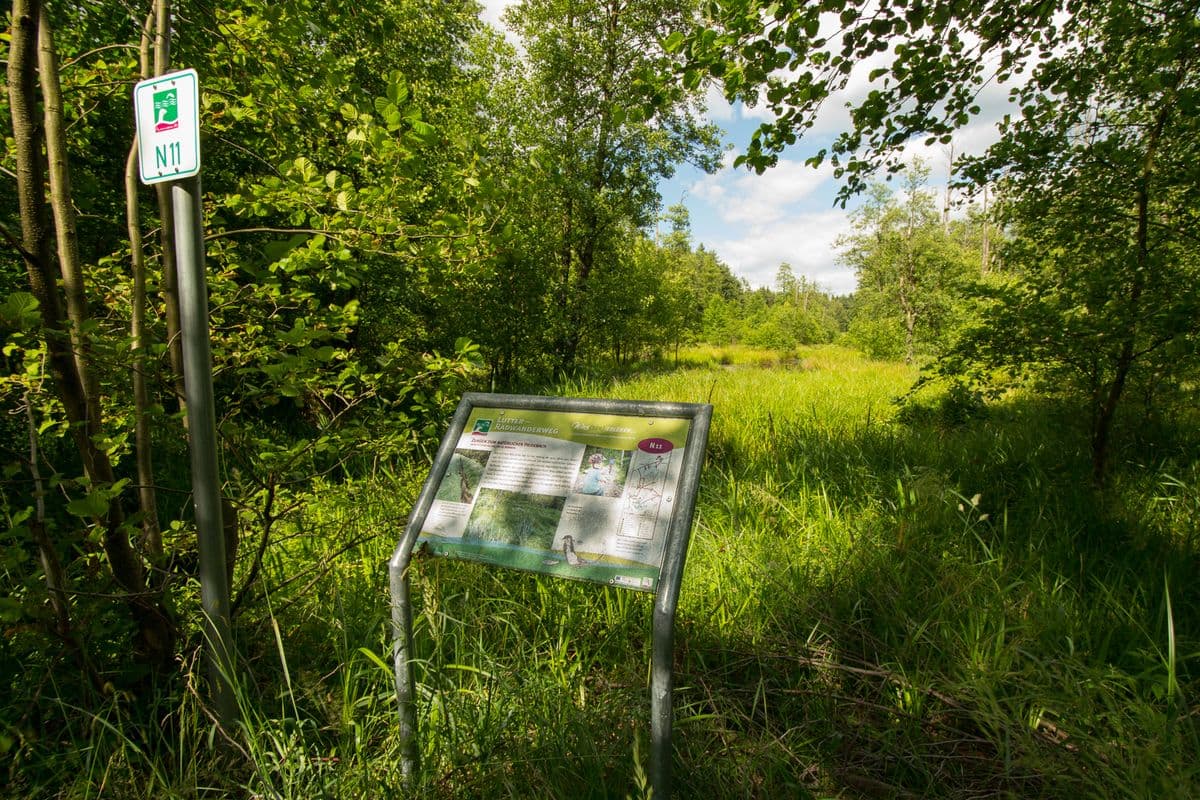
167 110
592 490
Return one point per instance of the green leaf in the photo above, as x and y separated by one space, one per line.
11 609
94 505
20 310
376 660
397 90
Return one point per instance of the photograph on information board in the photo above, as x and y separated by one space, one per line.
576 495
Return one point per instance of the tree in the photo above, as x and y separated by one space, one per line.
598 156
694 287
931 61
1099 186
1097 171
296 214
909 269
33 76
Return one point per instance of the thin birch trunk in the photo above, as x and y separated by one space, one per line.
166 214
29 27
64 219
147 500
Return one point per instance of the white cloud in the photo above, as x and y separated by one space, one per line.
716 106
834 115
756 222
806 241
747 197
757 113
493 12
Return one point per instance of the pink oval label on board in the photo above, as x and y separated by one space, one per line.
656 446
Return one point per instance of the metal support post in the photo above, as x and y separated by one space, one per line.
402 638
406 684
662 681
662 656
202 428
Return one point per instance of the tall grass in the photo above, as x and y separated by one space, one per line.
875 604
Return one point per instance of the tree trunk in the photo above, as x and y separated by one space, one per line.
36 251
155 630
147 500
905 288
1106 413
22 98
949 182
35 224
166 216
985 256
127 568
64 219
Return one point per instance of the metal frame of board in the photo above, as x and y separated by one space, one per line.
666 597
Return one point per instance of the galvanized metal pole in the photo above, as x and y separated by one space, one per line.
402 637
662 631
406 681
662 681
202 428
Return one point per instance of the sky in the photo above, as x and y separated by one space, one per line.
756 222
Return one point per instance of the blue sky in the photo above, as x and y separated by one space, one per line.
756 222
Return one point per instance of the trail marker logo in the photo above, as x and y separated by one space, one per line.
166 110
482 426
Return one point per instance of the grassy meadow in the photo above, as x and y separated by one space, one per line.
878 602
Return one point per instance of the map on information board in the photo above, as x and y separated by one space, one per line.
578 495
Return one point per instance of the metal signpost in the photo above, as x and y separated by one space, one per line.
167 110
594 490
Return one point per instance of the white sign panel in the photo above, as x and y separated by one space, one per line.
167 109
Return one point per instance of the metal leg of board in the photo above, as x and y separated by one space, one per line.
402 657
661 681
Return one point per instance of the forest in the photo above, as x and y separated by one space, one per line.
946 542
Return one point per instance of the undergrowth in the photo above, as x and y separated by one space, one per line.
877 603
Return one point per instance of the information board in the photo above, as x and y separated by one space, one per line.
595 490
587 496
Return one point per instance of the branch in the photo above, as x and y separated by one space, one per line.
72 62
16 244
239 231
249 152
412 237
